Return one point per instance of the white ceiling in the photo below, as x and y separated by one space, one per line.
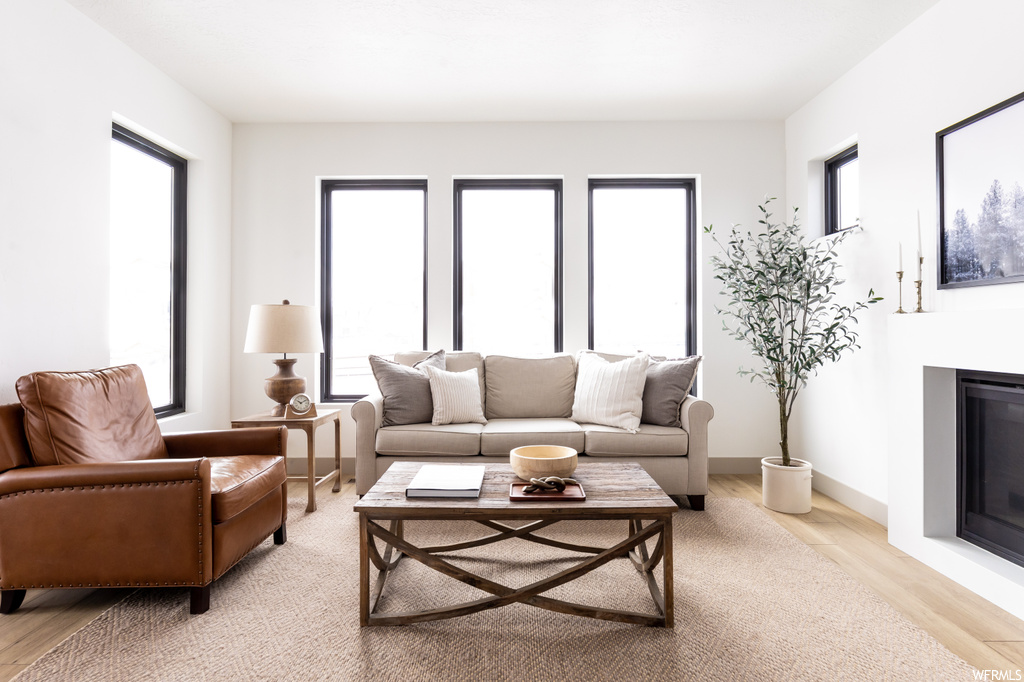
503 60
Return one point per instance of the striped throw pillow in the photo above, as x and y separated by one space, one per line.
456 396
610 393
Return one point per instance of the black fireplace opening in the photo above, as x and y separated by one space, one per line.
990 462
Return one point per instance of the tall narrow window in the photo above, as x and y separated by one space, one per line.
374 278
842 191
508 266
642 266
147 265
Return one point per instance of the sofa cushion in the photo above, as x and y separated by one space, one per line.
406 390
528 388
100 415
237 482
668 382
609 393
427 439
607 441
499 436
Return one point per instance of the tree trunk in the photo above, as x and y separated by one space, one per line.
784 429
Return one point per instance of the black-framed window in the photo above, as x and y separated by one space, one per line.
842 191
642 265
373 278
508 265
148 221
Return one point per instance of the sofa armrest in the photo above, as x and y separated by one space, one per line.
695 415
143 522
270 440
367 414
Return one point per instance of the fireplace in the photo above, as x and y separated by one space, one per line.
990 462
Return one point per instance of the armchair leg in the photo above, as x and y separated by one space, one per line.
10 600
696 502
280 535
200 600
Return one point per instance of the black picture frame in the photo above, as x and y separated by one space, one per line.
980 173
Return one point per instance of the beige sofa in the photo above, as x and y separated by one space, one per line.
529 401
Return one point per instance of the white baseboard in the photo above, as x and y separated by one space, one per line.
854 499
734 465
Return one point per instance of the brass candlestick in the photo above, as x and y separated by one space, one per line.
917 283
899 278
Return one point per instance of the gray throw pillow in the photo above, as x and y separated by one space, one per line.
668 382
406 390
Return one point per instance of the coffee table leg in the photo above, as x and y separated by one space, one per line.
667 560
364 573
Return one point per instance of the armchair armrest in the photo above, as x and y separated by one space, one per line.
367 414
271 440
134 523
695 415
112 474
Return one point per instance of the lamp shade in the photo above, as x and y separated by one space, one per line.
283 328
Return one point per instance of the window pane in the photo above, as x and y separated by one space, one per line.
849 194
141 266
508 270
640 274
842 191
376 281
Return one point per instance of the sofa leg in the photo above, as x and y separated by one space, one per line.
10 600
200 600
696 502
280 535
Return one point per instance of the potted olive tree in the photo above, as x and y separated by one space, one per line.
780 292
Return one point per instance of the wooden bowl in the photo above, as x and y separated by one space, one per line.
538 461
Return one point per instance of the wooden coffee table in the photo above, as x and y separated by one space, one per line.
615 490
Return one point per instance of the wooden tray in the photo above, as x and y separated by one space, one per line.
573 493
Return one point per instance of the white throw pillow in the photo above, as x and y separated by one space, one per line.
456 396
610 393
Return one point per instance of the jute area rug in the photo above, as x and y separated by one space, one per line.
751 603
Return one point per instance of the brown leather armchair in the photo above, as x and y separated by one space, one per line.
92 495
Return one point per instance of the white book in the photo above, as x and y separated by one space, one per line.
447 480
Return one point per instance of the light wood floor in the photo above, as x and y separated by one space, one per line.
980 633
972 628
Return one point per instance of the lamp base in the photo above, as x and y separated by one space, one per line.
282 386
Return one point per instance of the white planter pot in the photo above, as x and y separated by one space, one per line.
786 489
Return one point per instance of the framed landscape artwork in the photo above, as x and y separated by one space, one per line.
981 197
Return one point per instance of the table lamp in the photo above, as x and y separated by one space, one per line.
283 328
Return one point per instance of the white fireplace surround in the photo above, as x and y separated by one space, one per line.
925 350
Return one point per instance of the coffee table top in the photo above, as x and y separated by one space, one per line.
614 490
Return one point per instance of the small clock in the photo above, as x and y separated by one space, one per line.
300 406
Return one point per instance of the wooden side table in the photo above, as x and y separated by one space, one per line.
309 425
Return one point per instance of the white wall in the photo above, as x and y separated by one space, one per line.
959 58
63 81
275 245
